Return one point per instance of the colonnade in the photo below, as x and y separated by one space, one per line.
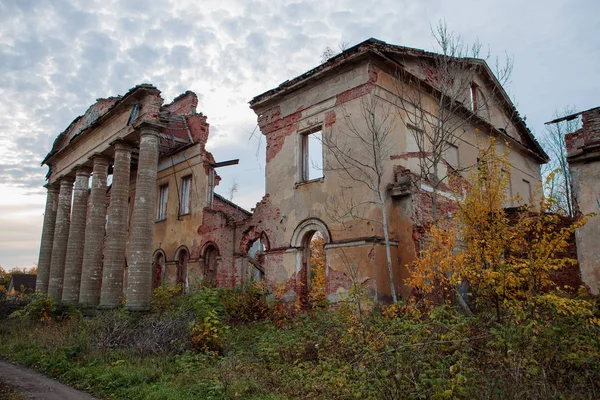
82 253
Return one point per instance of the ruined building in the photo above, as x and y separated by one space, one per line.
583 156
162 221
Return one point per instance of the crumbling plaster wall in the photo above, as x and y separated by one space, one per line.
583 154
522 166
175 231
218 230
586 190
329 103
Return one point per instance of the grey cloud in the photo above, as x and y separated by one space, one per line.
303 11
98 48
24 176
232 27
342 18
202 37
257 41
176 27
130 26
143 54
179 57
57 56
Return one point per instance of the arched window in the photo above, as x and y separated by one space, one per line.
210 254
182 257
158 267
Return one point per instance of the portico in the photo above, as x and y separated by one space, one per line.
84 249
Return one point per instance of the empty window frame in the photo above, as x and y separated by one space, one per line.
473 97
311 162
163 196
526 193
414 140
186 192
451 155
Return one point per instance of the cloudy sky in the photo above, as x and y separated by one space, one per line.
58 56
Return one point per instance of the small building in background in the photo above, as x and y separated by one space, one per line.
23 283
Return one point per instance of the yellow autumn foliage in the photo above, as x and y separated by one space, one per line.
506 263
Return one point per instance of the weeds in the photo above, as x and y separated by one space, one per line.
227 344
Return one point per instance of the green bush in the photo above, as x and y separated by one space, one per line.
185 349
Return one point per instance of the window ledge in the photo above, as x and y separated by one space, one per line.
185 214
161 220
298 184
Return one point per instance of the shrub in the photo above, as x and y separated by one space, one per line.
144 333
164 298
208 335
246 304
38 308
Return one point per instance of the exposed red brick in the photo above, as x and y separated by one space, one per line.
199 128
330 118
337 280
185 103
235 213
358 91
276 128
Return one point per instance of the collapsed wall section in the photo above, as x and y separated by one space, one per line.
583 155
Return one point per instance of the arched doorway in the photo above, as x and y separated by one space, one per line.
182 258
310 238
158 268
210 265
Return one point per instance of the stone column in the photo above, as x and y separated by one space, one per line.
91 276
139 288
61 236
74 258
116 231
43 275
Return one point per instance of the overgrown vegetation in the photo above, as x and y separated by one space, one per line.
230 343
522 336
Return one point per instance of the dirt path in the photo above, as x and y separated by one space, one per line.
33 385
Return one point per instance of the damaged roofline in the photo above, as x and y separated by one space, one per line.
570 117
231 203
370 45
103 117
381 49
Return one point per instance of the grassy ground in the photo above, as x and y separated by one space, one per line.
228 345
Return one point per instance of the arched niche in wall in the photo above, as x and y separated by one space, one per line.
182 256
209 257
158 267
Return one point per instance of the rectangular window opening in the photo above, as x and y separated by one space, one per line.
163 195
451 155
312 155
473 95
185 200
527 194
